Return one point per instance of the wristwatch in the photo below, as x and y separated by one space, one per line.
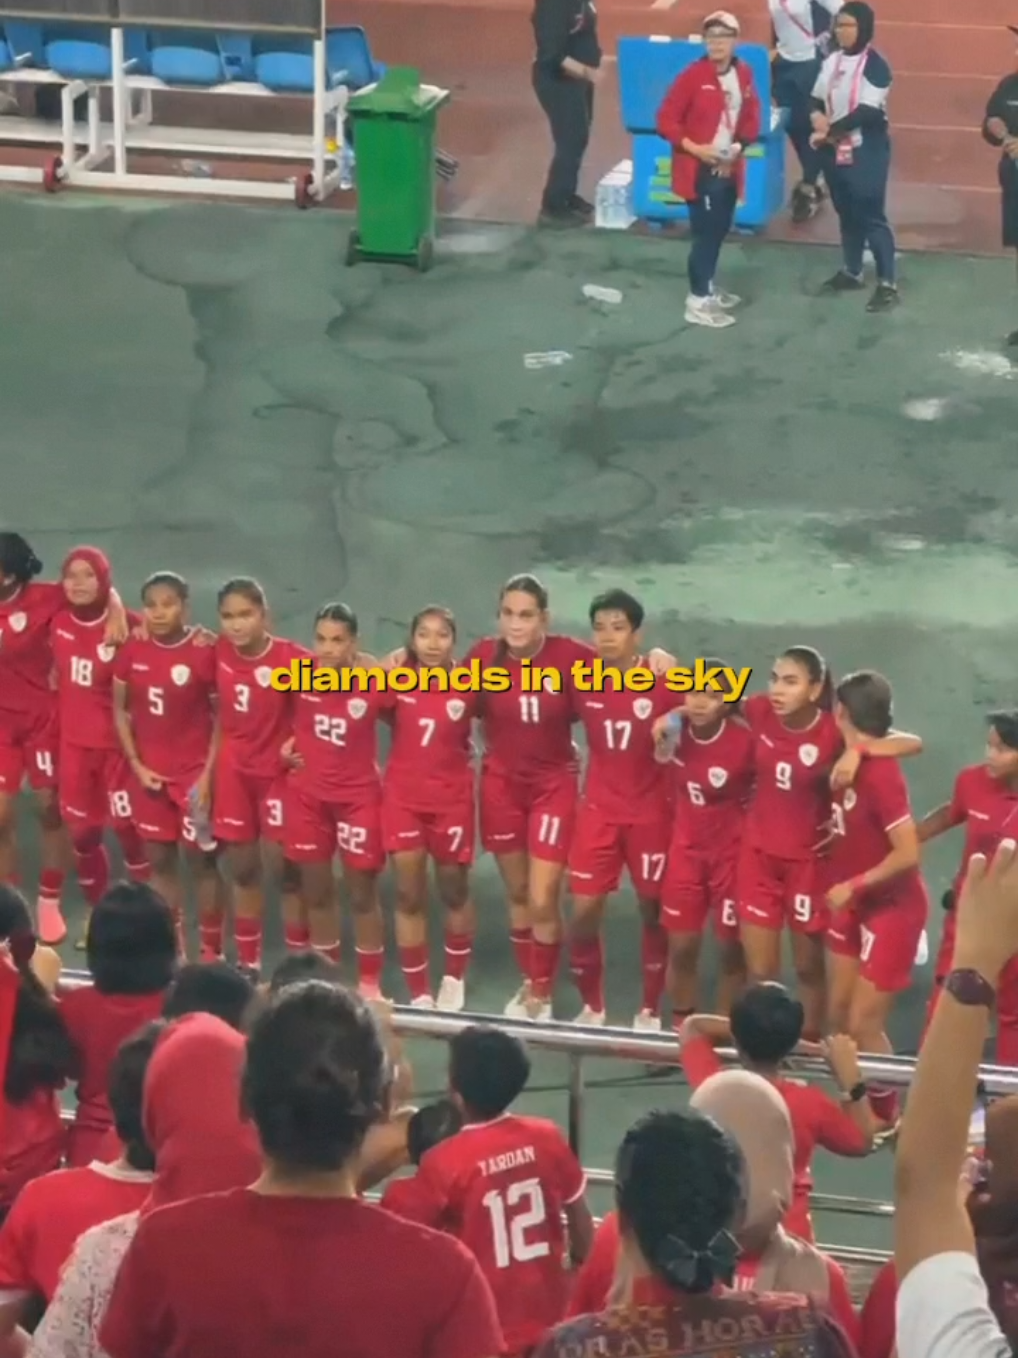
971 988
857 1093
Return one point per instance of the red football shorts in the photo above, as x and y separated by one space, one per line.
700 885
445 833
773 892
534 816
317 830
28 750
246 807
883 937
602 848
94 787
164 817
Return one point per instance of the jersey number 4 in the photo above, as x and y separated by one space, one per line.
515 1213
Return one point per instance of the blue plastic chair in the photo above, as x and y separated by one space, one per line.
83 52
6 55
347 49
181 57
286 65
24 42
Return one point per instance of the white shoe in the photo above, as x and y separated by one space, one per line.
422 1002
703 311
646 1022
590 1018
539 1011
517 1006
727 301
452 995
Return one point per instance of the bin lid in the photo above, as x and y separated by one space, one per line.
399 94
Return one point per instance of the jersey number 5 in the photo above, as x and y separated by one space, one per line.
514 1212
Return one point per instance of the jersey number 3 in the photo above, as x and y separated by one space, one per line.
515 1212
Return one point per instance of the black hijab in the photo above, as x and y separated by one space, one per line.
865 18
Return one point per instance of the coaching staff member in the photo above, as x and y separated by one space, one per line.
566 69
1000 128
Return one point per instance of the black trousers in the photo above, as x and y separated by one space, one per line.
711 214
569 107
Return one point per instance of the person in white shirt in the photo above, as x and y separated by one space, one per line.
802 35
850 130
943 1308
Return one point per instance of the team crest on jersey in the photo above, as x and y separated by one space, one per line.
17 622
717 777
264 675
357 707
180 675
106 653
808 754
643 707
850 799
455 707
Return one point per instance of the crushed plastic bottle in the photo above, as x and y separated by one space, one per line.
203 835
551 358
595 293
197 169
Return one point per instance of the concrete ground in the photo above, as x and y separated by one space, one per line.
209 389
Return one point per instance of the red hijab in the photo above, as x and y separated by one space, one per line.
191 1112
101 569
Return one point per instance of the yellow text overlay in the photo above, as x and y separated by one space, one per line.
303 676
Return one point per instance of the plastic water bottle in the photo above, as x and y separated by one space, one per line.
347 165
613 202
595 293
203 835
550 358
665 747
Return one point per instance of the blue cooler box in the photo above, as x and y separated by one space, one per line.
647 69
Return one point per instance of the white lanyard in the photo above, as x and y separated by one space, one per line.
857 78
807 32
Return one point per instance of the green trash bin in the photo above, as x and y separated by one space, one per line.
394 139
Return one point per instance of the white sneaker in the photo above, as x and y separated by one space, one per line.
539 1011
646 1022
517 1006
452 995
727 301
590 1018
422 1002
703 311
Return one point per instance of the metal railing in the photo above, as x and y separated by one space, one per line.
660 1050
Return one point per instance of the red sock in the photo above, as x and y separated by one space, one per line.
328 950
414 965
544 959
210 934
247 935
653 963
135 861
586 958
93 873
369 967
521 940
51 885
458 948
296 937
885 1103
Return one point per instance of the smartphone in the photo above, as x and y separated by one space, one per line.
977 1125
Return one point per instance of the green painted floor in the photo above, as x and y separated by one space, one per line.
207 388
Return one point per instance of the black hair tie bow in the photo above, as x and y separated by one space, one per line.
698 1270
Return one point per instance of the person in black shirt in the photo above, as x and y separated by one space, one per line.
1000 128
566 69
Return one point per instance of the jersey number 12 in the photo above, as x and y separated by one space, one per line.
514 1212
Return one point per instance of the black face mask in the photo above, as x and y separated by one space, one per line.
866 21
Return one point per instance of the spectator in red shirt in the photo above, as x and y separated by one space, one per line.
50 1213
428 1126
709 116
131 947
307 1259
766 1028
40 1059
679 1190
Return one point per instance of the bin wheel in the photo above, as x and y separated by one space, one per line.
53 174
353 249
303 191
425 253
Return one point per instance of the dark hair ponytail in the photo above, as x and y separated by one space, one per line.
868 700
520 584
17 560
42 1055
818 670
1005 724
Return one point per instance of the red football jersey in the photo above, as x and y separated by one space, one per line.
254 718
84 665
624 778
862 817
337 739
500 1188
712 781
170 691
26 653
987 808
430 756
791 801
528 734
